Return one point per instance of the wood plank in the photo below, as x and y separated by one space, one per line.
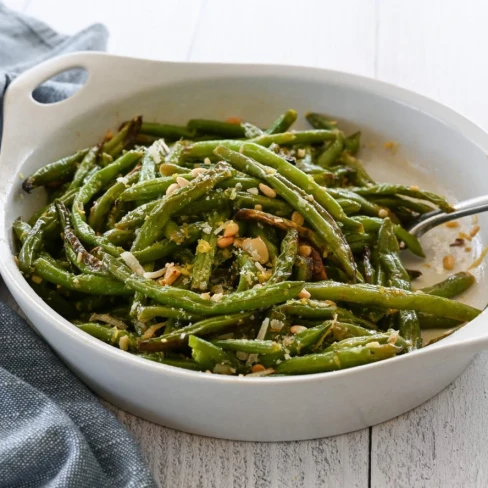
321 33
147 28
184 460
441 443
432 48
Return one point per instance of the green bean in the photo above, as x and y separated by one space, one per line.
149 189
216 127
248 273
167 247
154 224
166 131
136 217
54 300
124 138
303 267
333 152
452 285
169 169
343 330
146 313
282 224
101 207
300 179
96 183
367 207
391 297
271 205
119 237
75 251
176 362
205 255
21 229
410 191
352 143
284 264
193 302
204 327
283 122
84 283
88 163
319 121
326 228
110 335
208 355
396 202
397 276
362 178
381 338
374 224
205 149
54 173
152 157
336 360
250 346
314 309
428 321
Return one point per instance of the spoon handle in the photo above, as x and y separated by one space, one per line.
461 209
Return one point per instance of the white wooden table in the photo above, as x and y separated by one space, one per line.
434 47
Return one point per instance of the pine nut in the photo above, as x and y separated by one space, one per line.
172 188
182 181
267 190
383 213
304 294
256 248
297 217
225 241
448 262
257 367
197 171
231 229
296 329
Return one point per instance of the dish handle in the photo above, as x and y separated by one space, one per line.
20 90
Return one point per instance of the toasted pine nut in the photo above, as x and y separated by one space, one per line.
474 230
448 262
296 329
197 171
124 343
305 250
258 207
171 275
172 188
301 153
297 217
257 367
231 229
267 190
182 181
453 224
225 241
383 213
304 294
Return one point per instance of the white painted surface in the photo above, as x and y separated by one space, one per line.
435 48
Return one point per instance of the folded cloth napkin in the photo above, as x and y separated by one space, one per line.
53 431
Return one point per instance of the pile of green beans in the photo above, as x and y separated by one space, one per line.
228 248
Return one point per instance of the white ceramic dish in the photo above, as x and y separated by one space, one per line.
452 150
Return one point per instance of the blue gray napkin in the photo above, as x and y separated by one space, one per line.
53 431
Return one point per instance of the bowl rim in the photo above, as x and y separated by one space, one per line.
443 114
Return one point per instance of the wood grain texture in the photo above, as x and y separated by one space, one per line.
442 443
180 460
321 33
433 48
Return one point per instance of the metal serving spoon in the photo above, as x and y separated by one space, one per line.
437 217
